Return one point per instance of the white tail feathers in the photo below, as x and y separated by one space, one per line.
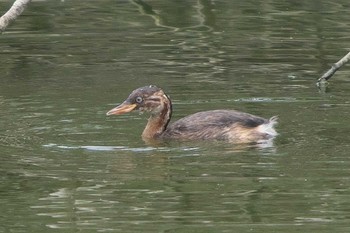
268 127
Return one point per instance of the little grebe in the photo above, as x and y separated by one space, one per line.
223 125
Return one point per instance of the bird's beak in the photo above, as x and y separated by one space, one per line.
121 109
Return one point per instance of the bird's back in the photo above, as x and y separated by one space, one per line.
227 125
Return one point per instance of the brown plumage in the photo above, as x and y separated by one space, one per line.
220 125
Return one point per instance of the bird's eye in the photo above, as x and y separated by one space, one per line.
138 99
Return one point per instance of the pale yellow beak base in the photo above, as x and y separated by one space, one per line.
121 109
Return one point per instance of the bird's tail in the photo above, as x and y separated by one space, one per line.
268 127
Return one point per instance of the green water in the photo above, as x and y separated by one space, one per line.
66 167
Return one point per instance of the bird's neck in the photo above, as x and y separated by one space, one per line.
158 121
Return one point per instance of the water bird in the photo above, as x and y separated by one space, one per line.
216 125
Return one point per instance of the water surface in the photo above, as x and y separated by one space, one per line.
67 167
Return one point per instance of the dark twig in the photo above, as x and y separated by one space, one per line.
334 68
16 9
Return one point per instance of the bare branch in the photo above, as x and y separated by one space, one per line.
334 68
16 9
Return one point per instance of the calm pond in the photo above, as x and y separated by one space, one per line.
66 167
